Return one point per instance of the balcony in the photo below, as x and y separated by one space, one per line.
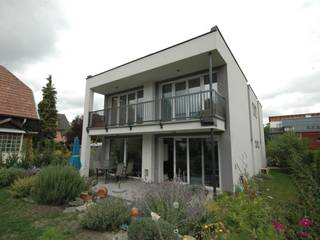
188 107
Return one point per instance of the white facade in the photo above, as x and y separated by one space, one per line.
159 111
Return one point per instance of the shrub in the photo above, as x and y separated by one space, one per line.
176 203
8 175
57 185
283 149
107 215
244 216
21 187
147 229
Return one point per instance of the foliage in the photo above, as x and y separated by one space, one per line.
8 175
176 203
12 160
267 135
75 130
47 111
51 234
107 215
306 177
22 187
49 152
147 229
284 149
57 185
241 216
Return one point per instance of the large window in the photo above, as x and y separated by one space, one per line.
186 98
126 108
191 158
10 142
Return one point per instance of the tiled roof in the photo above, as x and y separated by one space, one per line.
16 98
62 122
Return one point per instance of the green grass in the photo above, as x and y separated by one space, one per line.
279 186
29 221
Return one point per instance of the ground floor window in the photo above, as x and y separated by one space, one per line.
189 159
10 142
127 151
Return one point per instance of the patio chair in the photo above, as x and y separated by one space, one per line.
120 172
129 168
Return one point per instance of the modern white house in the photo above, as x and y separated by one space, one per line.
161 109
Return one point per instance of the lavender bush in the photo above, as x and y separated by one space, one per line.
181 205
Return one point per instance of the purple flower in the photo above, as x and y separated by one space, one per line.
305 222
303 234
279 227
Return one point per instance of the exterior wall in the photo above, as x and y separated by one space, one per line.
148 157
256 131
238 125
313 139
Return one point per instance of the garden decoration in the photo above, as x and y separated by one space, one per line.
134 212
102 192
75 158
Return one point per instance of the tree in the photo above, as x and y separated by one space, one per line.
48 112
267 135
75 129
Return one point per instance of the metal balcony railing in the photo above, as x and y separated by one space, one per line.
177 108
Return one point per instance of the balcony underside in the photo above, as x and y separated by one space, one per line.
187 126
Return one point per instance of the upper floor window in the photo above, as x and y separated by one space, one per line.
254 110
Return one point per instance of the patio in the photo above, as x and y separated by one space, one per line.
130 188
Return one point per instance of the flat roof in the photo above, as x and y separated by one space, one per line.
213 29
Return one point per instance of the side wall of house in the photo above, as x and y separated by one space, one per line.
257 134
238 133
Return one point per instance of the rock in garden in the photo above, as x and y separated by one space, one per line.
70 210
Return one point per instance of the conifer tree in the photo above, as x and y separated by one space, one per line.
47 111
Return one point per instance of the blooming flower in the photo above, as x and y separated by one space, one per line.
305 222
303 234
278 226
176 205
155 217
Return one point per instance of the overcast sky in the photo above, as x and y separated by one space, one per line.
276 42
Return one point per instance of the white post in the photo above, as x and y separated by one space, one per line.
86 139
148 157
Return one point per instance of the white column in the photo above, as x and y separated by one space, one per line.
86 139
148 157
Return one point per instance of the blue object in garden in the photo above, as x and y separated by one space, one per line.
75 158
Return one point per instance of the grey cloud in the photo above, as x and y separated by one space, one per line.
28 31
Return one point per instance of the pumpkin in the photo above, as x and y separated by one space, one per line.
134 212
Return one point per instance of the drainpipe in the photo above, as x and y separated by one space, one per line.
214 167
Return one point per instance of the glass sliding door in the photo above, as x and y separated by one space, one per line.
180 100
181 159
195 98
208 164
140 106
195 158
114 110
123 110
134 156
131 108
116 151
207 103
166 103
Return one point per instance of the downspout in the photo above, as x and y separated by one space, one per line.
214 167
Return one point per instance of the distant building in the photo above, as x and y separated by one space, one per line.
18 114
307 125
62 125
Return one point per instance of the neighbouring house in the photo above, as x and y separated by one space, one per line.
307 125
160 110
18 114
62 125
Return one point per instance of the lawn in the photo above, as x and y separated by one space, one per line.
28 221
279 186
